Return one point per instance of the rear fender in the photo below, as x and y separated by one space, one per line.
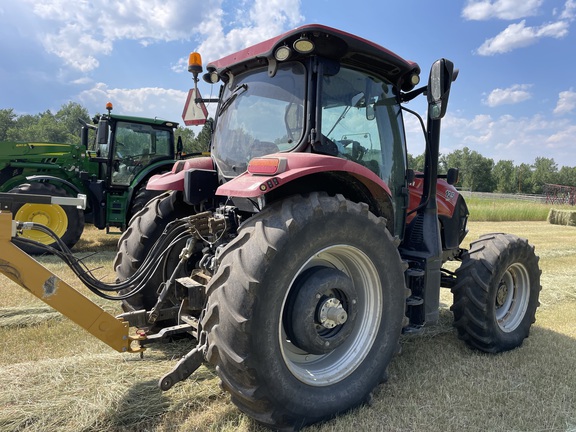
152 170
298 165
174 180
55 180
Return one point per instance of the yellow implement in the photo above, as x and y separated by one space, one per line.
38 280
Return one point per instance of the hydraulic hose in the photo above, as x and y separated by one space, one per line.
175 231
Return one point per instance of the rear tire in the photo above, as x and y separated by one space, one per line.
66 221
496 294
145 228
305 311
142 197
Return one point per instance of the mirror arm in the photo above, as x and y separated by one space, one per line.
206 100
406 97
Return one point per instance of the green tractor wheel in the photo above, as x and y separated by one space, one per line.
66 221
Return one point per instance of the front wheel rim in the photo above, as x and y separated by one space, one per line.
327 369
512 297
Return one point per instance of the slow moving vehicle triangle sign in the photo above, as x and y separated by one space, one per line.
195 112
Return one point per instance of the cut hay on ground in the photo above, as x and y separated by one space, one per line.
23 317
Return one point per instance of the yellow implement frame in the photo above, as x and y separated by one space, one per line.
38 280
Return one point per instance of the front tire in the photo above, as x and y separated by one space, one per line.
66 221
496 294
305 311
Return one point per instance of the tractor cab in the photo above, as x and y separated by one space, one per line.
318 97
126 145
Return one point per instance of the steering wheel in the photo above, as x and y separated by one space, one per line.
358 151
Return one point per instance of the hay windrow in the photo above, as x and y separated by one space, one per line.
15 317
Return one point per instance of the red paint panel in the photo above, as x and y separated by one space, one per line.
297 165
446 197
174 180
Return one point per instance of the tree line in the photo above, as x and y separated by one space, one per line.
481 174
477 173
64 127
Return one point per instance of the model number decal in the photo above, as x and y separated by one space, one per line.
449 195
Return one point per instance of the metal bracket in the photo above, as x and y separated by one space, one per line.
183 369
7 199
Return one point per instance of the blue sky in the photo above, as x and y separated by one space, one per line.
515 97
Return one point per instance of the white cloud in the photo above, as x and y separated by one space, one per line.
77 49
511 95
180 66
563 139
502 9
569 12
260 21
81 32
566 102
144 102
519 36
521 139
82 81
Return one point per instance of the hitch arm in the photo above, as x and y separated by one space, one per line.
38 280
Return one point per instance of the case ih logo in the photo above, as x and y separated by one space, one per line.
449 195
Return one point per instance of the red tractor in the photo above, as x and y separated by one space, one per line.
301 249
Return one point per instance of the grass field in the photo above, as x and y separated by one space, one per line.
56 377
508 209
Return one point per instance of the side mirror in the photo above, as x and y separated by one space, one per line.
441 76
370 110
102 131
453 176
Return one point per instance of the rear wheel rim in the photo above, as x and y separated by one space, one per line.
512 297
51 215
327 369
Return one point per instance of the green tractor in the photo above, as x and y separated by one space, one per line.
111 168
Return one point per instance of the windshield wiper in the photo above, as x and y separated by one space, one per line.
224 106
343 115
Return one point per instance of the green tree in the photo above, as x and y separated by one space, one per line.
22 122
188 138
37 128
205 136
67 118
7 121
42 127
416 163
504 174
62 127
545 171
475 169
524 179
567 176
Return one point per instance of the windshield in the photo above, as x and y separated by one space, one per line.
137 146
259 115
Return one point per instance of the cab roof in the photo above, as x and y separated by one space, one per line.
330 43
152 121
